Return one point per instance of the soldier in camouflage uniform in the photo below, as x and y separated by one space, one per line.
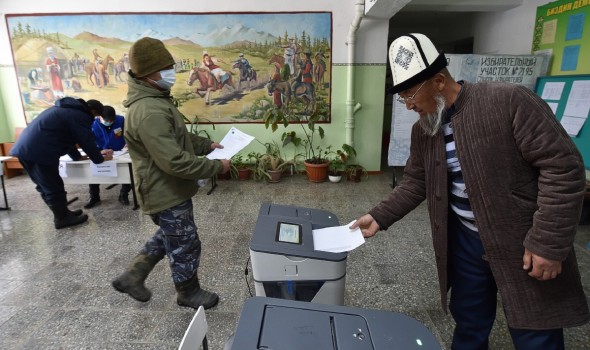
166 167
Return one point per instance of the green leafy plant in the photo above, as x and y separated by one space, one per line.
271 160
314 152
339 159
194 126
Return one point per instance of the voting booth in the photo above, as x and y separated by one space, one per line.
284 262
268 323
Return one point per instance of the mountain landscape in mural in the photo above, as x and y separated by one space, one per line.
265 60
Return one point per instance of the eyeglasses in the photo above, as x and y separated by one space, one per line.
410 99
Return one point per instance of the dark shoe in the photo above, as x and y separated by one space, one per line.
124 198
69 220
191 294
131 281
76 212
63 217
92 202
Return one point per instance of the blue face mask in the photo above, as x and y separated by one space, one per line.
168 79
105 123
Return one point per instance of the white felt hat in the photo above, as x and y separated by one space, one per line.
413 59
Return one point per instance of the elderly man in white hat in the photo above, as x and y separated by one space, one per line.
504 185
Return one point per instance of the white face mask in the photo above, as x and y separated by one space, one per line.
168 79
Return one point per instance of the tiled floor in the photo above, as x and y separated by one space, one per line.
55 288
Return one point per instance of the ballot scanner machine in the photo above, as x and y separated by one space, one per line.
269 323
284 262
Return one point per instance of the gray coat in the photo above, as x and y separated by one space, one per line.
525 181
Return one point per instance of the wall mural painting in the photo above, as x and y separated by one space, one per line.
230 68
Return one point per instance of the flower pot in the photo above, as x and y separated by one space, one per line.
244 174
316 172
335 178
275 175
354 176
224 176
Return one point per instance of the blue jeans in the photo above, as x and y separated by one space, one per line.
473 297
178 239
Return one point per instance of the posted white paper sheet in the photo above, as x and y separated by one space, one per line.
233 142
104 169
337 239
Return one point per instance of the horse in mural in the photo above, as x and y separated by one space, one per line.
281 92
304 92
246 74
208 82
99 71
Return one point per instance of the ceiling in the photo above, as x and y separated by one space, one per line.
388 8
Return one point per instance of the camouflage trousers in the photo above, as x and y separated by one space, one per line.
178 239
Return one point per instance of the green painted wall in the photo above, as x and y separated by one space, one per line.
11 115
369 92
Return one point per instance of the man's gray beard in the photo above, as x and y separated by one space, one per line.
431 122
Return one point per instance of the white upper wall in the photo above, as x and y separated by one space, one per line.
509 32
371 37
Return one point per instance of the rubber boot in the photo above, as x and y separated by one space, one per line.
131 281
94 196
191 294
62 217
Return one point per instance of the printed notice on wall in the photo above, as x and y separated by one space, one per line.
553 90
577 107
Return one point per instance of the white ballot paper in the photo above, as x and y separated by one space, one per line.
337 239
233 142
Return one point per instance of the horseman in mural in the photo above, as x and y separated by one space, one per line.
208 82
302 87
247 73
319 68
278 88
212 65
98 70
291 54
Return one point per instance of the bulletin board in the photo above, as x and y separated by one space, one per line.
562 29
569 98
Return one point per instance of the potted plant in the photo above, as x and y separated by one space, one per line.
338 162
315 156
271 164
335 169
355 172
242 166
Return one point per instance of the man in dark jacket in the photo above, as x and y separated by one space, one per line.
52 134
504 185
166 166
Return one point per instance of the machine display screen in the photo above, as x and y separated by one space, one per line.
289 233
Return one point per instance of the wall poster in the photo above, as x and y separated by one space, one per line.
266 60
562 28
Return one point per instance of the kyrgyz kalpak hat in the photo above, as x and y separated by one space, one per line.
413 59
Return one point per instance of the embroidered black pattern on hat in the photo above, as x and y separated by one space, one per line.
404 57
